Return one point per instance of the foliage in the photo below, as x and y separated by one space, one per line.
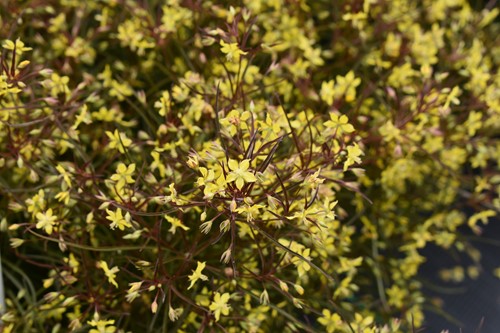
274 165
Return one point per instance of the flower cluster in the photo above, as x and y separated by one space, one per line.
272 166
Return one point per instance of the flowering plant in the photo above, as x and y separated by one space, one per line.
277 165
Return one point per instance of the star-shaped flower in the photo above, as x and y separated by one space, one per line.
123 175
340 124
118 220
219 305
110 273
239 173
232 51
197 275
46 221
118 140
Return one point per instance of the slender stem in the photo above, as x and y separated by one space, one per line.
2 291
378 276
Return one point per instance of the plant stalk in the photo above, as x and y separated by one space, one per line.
2 292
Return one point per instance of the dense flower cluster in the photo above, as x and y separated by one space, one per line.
276 165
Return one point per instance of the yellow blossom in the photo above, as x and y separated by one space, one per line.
65 174
101 326
173 314
176 223
239 173
118 140
123 175
46 221
118 220
133 291
331 321
83 117
163 104
73 263
197 275
36 203
346 86
18 45
327 92
353 155
63 196
339 124
158 164
110 273
232 51
219 305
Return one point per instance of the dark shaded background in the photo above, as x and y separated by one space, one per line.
466 303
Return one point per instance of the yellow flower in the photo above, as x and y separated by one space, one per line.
219 305
197 275
63 196
83 117
207 176
57 85
342 86
239 173
251 211
327 92
123 175
36 203
173 314
340 124
347 85
118 220
46 221
110 273
306 215
176 223
353 155
330 320
158 164
73 263
163 104
133 291
232 51
118 140
134 286
18 45
396 296
66 175
101 326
